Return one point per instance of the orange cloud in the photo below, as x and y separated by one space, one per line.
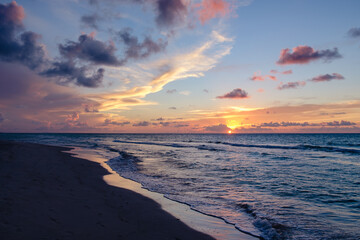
213 8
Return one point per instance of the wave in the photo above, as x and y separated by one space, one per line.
344 144
295 147
264 146
174 145
270 228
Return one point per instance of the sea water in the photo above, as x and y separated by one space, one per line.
277 186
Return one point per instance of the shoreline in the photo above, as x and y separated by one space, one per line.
49 193
214 226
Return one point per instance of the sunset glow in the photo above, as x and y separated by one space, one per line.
195 66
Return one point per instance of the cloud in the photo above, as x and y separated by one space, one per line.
327 77
285 124
30 101
172 108
86 50
72 117
189 64
91 20
205 91
164 124
108 122
67 71
15 44
306 124
171 91
341 123
283 72
167 12
217 128
139 50
290 85
170 12
257 77
142 124
306 54
354 32
90 108
1 118
91 50
210 9
237 93
72 67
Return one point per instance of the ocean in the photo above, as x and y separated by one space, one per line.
277 186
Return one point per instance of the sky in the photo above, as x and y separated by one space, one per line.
180 66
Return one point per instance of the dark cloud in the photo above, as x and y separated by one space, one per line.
90 108
91 20
237 93
17 45
89 49
335 113
138 50
291 85
1 118
327 77
285 124
342 123
164 124
111 122
306 54
95 2
142 124
217 128
170 12
170 91
172 108
67 71
306 124
354 32
205 90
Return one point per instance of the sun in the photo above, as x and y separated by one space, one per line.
229 132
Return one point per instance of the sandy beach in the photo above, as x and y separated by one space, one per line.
48 194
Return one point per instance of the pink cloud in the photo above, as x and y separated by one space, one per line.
290 85
212 8
287 72
306 54
257 77
328 77
260 90
284 72
12 13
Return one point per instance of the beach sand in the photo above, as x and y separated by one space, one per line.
48 194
